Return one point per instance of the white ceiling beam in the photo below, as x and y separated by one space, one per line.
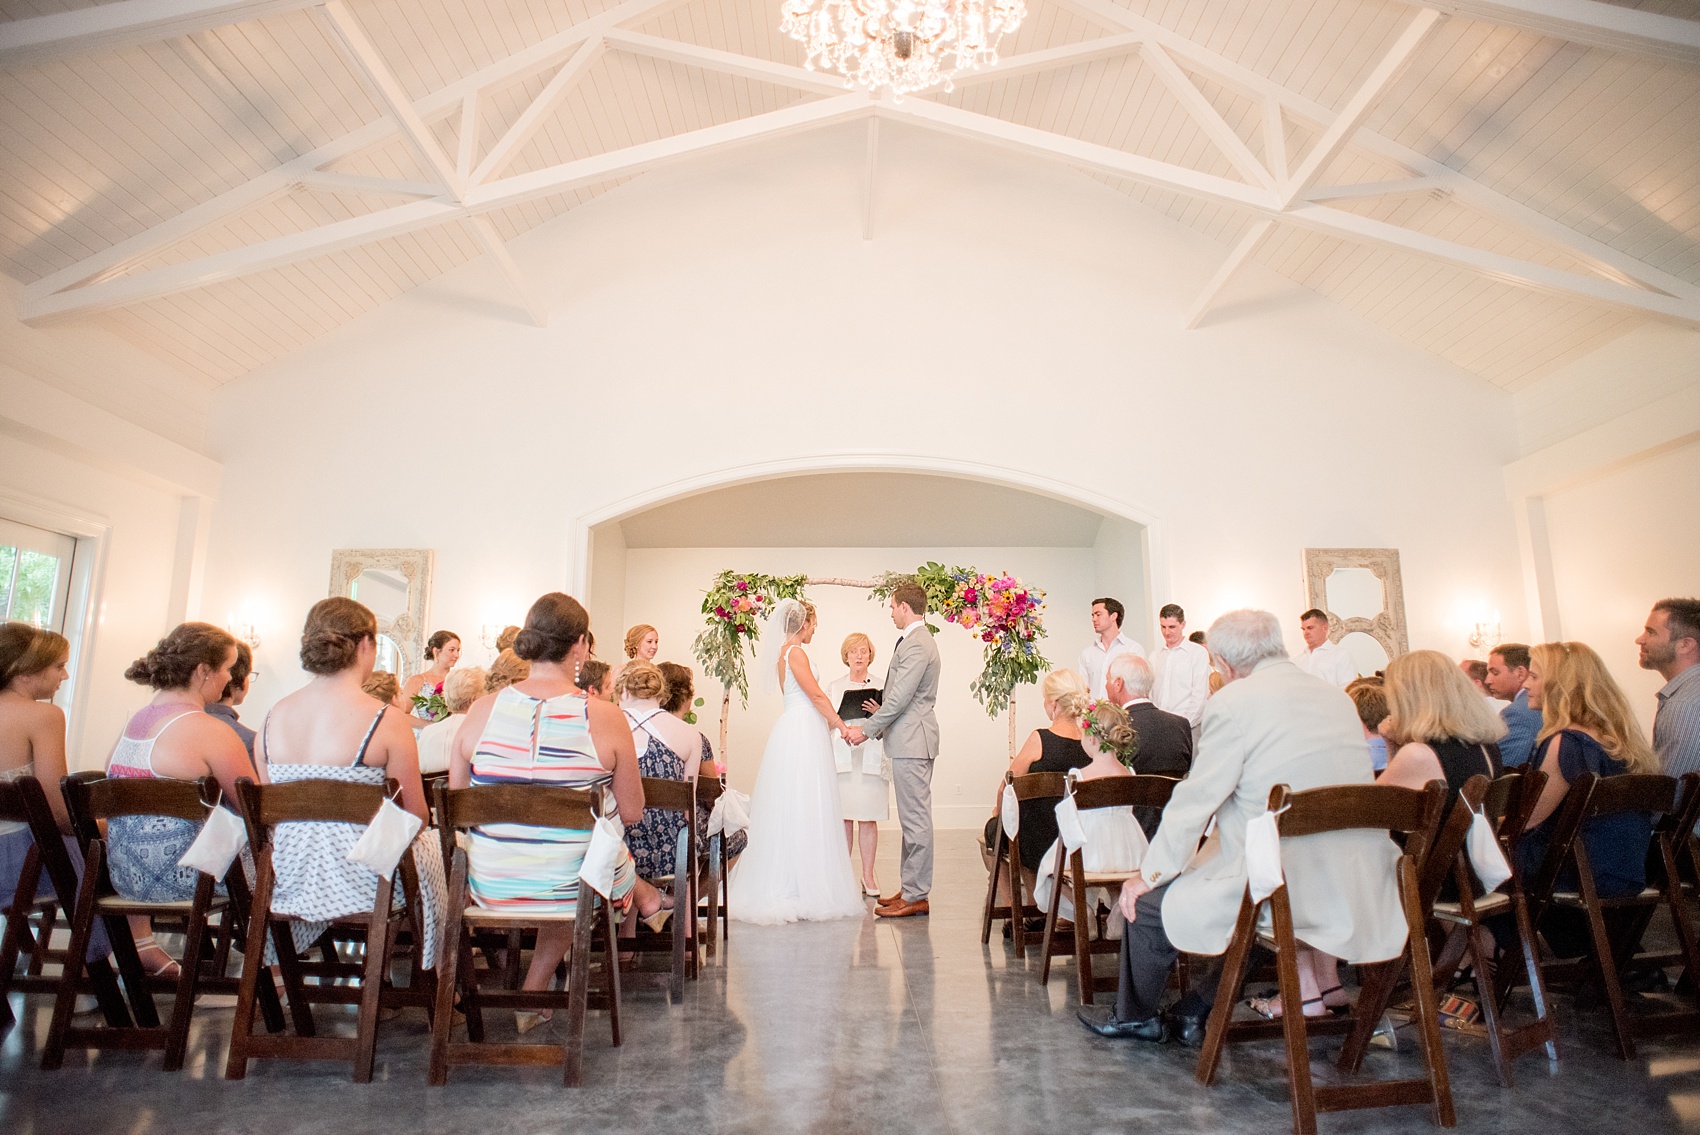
872 166
1357 108
1590 23
1247 247
1274 139
533 118
1205 115
726 62
1361 190
416 215
328 182
485 232
466 149
273 183
1603 258
1051 58
364 54
37 39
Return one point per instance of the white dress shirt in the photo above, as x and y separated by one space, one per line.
1182 680
1095 660
1331 662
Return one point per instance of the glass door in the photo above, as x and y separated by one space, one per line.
35 574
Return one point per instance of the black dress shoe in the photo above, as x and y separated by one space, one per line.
1155 1030
1190 1030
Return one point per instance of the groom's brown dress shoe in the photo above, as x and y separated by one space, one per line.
892 900
903 910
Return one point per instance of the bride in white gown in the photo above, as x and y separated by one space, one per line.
795 867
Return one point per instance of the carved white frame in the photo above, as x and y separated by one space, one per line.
1388 626
414 564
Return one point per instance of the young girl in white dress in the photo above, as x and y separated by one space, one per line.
795 867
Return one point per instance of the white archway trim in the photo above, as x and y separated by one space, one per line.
1156 558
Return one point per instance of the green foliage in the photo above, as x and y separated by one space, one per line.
31 600
735 606
434 706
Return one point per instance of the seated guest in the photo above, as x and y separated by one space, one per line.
1215 676
681 689
171 738
1438 725
1587 726
1369 695
442 651
1507 672
667 749
384 686
596 678
1271 724
32 744
332 729
1057 749
1164 739
1476 670
542 730
436 741
241 681
1670 645
505 671
505 640
1114 841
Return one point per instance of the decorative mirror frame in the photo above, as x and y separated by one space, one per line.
414 564
1387 628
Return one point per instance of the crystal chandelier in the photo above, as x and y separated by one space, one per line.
904 45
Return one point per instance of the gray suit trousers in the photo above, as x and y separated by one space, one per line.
912 777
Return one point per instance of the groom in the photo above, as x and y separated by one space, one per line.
911 733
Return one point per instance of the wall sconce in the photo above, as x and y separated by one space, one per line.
489 633
1486 634
245 632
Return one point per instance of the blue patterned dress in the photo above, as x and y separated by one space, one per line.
653 839
143 850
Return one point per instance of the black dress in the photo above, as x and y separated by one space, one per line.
1039 817
1459 761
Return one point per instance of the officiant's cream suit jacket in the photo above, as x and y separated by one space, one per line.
905 721
1278 725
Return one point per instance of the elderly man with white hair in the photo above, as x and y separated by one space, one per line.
1165 739
1271 724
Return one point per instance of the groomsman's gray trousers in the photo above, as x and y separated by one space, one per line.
912 777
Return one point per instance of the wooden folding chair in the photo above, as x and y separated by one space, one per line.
539 805
30 916
681 935
1103 792
713 868
90 801
1616 924
264 807
1507 802
1343 808
1039 786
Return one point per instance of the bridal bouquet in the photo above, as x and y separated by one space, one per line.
736 606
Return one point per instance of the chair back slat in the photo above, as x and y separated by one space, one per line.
1343 807
306 801
668 795
13 808
1655 795
1566 824
709 789
1124 792
537 805
109 796
1040 786
1687 812
25 800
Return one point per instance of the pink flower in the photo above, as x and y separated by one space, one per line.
969 596
721 611
741 628
987 637
743 586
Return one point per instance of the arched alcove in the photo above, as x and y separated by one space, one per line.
649 559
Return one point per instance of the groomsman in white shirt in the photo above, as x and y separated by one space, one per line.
1326 660
1107 644
1182 668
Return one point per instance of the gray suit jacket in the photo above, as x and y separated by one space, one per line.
905 720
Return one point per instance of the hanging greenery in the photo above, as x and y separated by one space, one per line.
736 605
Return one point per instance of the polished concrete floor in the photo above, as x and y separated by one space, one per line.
863 1027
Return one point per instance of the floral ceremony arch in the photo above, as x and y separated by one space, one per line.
997 608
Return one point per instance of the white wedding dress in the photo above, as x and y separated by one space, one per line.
796 867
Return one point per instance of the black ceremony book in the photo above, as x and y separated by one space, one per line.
850 705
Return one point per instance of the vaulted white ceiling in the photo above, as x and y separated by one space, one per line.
1508 184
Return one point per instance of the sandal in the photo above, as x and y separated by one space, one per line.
168 969
525 1020
1265 1005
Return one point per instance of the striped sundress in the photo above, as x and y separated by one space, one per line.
517 867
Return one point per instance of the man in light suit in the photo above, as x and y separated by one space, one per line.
1271 724
905 722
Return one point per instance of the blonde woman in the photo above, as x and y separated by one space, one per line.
505 671
642 641
437 741
1056 749
864 775
1114 839
1586 726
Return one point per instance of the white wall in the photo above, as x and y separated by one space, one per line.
719 315
664 587
1619 543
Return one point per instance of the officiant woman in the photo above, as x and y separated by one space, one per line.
864 775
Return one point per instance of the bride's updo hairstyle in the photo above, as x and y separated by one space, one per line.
171 664
553 626
331 637
642 680
1067 690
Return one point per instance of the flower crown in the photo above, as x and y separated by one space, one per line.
1089 726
